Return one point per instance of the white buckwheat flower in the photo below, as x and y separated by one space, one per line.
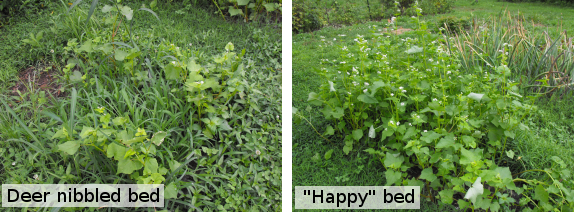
365 90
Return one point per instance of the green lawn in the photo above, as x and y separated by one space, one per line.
551 127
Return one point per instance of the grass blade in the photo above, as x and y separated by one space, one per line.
92 7
74 5
150 11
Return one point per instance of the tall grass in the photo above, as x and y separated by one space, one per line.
531 56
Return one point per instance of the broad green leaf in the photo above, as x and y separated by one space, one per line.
129 153
357 134
392 177
427 174
445 142
107 8
243 2
509 134
409 133
127 166
347 148
116 151
174 165
118 121
414 49
510 154
446 196
367 99
120 55
468 156
128 12
87 131
151 166
392 161
69 147
270 7
541 194
75 77
158 138
328 154
314 99
475 96
234 11
172 72
338 113
87 46
430 136
229 46
134 140
329 130
171 191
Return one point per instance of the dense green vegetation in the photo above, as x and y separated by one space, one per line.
420 108
139 93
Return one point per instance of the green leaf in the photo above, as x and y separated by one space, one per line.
172 72
357 134
87 131
329 130
270 7
171 191
392 161
509 134
116 151
87 46
128 12
475 96
409 133
347 148
75 77
118 121
510 154
158 138
446 196
445 142
468 156
229 46
367 99
414 49
243 2
430 136
120 55
151 166
107 8
427 174
541 194
392 177
234 11
69 147
328 154
127 166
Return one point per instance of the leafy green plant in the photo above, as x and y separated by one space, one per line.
430 124
117 138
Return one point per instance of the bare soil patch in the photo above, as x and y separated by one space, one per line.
38 79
